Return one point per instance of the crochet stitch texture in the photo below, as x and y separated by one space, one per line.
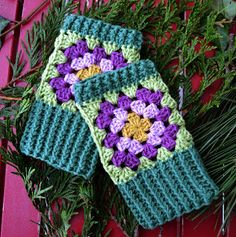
55 131
143 143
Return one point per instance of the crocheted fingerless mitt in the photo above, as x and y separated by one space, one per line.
55 131
143 143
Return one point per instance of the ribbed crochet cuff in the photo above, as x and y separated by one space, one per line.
133 119
60 138
114 81
169 190
103 31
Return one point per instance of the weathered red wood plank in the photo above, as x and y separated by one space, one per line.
201 227
6 50
17 207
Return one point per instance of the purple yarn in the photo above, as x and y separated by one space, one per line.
111 140
124 102
116 125
138 106
124 143
118 158
64 94
117 58
99 53
168 142
106 65
135 147
121 65
89 59
57 83
71 78
121 114
103 121
154 139
155 98
64 68
158 128
164 114
78 64
107 107
143 94
171 130
150 111
71 52
149 151
82 47
131 161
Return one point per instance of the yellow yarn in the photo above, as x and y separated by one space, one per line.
136 127
88 72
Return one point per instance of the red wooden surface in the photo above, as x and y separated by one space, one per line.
16 210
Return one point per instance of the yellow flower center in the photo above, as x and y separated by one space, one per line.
136 127
88 72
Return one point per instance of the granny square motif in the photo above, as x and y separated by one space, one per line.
143 143
55 131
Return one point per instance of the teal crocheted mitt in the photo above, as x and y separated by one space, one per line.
143 143
55 131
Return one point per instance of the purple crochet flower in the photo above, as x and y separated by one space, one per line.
111 140
58 83
117 58
89 59
118 158
82 47
99 53
138 107
124 102
122 65
171 130
64 68
107 107
149 151
168 142
71 78
119 121
155 98
143 94
103 121
146 110
106 65
130 160
78 64
71 52
150 111
163 114
63 94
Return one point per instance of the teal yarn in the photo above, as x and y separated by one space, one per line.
59 138
103 31
55 131
113 81
159 181
169 190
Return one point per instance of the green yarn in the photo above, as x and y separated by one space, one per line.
89 110
64 40
154 82
170 189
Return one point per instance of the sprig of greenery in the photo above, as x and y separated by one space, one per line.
59 195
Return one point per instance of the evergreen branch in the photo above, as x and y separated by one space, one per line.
9 98
70 193
26 19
